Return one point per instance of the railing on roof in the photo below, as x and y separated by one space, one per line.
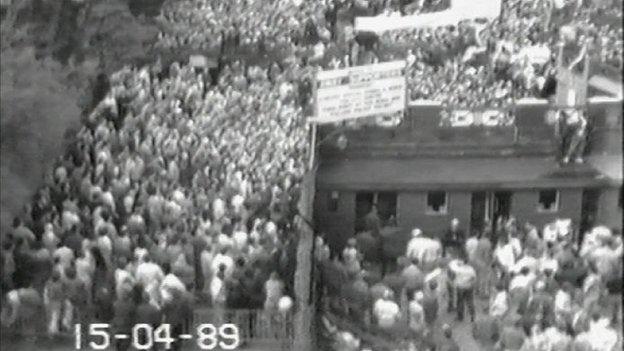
428 123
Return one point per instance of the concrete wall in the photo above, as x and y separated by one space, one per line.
524 206
609 210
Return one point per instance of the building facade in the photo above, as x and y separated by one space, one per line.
422 175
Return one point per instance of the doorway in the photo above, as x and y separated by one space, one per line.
363 205
479 210
589 210
501 205
386 203
488 207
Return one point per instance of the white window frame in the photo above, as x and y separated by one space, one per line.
555 207
443 210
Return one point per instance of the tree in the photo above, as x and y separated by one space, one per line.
37 105
116 35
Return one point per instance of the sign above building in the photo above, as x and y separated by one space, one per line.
361 91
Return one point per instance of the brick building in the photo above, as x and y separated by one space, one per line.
422 175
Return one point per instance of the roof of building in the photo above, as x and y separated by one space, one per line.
609 165
457 173
607 85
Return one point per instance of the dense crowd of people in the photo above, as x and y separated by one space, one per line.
175 190
471 64
183 186
542 289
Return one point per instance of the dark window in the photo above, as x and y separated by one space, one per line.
332 201
437 202
548 201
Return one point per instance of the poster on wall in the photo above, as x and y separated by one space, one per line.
361 91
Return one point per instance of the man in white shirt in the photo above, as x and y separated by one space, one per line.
150 276
504 255
386 312
426 250
273 289
464 279
222 258
65 256
417 314
471 247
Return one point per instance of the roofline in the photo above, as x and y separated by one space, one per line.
484 185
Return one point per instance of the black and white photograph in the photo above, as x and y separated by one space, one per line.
311 175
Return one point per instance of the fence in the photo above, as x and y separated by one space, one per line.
254 326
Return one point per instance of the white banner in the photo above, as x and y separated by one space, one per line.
198 61
485 118
460 10
360 91
537 54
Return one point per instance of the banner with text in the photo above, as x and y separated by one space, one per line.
360 91
472 118
460 10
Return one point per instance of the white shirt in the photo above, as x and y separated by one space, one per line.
549 263
465 275
526 261
505 255
65 255
522 281
225 260
148 273
105 245
424 249
50 240
563 301
240 239
416 316
206 262
386 313
216 285
500 304
471 247
171 282
601 337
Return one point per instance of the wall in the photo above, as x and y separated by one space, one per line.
411 206
411 212
609 212
524 206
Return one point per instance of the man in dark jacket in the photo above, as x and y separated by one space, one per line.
454 238
147 313
176 313
125 315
